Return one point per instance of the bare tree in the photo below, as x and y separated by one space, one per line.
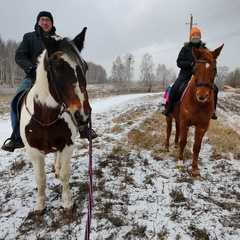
10 61
129 70
221 76
96 74
233 78
147 76
118 71
10 73
2 61
165 76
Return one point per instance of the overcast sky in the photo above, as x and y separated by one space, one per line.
118 27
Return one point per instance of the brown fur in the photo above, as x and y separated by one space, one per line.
197 105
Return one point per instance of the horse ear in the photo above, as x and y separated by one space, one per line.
217 52
79 39
49 42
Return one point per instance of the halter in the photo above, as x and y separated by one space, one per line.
204 84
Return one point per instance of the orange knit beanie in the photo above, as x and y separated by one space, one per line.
195 30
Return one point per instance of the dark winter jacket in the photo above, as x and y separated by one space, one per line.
29 50
185 59
27 53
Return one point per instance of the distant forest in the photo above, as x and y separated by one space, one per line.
122 71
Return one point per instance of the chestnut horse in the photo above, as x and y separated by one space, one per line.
197 105
54 108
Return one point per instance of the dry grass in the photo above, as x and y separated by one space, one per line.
5 103
224 140
111 200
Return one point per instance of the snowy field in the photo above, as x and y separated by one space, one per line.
144 198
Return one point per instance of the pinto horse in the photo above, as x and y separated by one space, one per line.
53 109
197 105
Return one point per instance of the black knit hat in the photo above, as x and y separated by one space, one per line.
45 14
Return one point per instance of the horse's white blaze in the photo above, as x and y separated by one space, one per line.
42 83
76 87
207 65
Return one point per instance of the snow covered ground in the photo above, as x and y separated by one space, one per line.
135 195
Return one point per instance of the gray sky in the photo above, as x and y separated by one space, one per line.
117 27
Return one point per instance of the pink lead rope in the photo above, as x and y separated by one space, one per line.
88 224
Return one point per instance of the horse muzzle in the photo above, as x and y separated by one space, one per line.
202 98
81 119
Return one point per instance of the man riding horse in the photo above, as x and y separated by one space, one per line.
26 57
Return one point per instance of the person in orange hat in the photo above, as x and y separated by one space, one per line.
185 62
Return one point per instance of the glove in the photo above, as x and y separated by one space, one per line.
32 71
192 64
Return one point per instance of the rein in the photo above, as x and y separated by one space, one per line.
89 216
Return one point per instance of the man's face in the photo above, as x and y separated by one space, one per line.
45 23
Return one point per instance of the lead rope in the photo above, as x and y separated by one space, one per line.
88 224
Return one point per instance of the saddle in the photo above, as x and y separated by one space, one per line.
179 93
18 100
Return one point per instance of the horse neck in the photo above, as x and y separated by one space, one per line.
41 89
191 84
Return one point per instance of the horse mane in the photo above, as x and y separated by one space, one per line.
206 55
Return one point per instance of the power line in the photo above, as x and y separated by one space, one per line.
172 28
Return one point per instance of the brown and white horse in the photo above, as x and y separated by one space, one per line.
54 108
197 105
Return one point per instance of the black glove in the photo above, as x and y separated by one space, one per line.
32 71
192 64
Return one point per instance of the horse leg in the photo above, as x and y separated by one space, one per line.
199 133
168 133
64 174
177 133
182 143
40 178
57 166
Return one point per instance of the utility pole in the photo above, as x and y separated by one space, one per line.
191 23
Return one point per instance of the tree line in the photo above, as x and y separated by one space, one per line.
122 71
11 74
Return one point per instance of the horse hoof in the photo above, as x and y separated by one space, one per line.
197 176
57 175
180 168
69 211
36 215
39 213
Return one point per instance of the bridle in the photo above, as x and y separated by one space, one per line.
204 84
63 107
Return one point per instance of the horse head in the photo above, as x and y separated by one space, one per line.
66 74
204 71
